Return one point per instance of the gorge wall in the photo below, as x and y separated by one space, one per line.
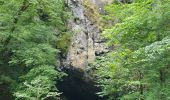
86 43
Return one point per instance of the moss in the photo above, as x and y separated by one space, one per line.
64 41
91 12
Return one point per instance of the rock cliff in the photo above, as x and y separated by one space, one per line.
86 43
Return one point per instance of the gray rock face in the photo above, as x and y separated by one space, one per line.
86 43
100 4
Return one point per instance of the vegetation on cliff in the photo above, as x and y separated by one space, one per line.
34 32
138 68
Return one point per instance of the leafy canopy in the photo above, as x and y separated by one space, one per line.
139 65
28 53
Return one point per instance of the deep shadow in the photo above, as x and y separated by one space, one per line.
74 87
5 93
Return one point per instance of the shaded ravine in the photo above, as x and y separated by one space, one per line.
75 87
85 45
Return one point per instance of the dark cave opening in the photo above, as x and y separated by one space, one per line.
74 87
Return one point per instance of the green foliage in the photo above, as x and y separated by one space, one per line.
139 24
139 67
155 60
111 77
38 89
63 41
39 84
28 51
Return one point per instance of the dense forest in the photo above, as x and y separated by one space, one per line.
35 38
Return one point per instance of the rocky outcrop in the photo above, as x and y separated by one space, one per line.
100 4
86 43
